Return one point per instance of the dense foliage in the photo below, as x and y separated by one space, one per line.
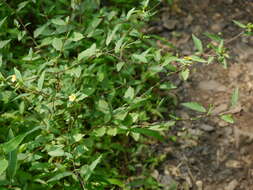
76 80
80 83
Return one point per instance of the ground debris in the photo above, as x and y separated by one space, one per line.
205 156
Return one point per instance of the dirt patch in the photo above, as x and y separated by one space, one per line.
209 153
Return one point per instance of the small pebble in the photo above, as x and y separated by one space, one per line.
199 184
233 164
207 128
232 185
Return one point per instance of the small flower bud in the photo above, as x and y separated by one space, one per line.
13 78
187 58
72 97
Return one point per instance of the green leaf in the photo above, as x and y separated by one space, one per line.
12 144
167 86
168 60
89 91
239 24
100 131
22 5
1 63
87 53
136 136
221 46
22 107
235 97
41 80
95 163
12 159
210 59
101 75
18 74
120 65
194 106
120 113
111 35
197 59
162 126
78 137
148 132
156 68
140 58
112 131
2 21
213 37
58 21
114 181
60 176
103 106
21 35
118 44
197 43
145 4
77 37
185 74
157 55
57 44
129 94
92 26
3 165
4 43
86 171
228 118
39 30
56 152
129 13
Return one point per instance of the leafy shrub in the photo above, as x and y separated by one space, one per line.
79 83
74 86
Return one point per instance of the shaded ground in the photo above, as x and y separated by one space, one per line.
205 156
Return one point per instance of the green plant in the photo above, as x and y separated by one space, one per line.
80 84
74 88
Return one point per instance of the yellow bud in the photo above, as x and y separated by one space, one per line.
187 58
13 78
72 97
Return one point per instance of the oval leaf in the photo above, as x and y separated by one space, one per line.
228 118
129 94
13 155
197 43
194 106
235 97
41 81
12 144
18 74
58 21
3 165
77 36
148 132
57 44
185 74
103 106
87 53
60 176
4 43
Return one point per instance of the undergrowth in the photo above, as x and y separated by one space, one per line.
81 90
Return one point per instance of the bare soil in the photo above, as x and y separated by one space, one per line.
210 154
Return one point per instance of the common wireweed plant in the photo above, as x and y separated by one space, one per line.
76 83
79 83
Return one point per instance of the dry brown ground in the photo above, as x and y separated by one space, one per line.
206 156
